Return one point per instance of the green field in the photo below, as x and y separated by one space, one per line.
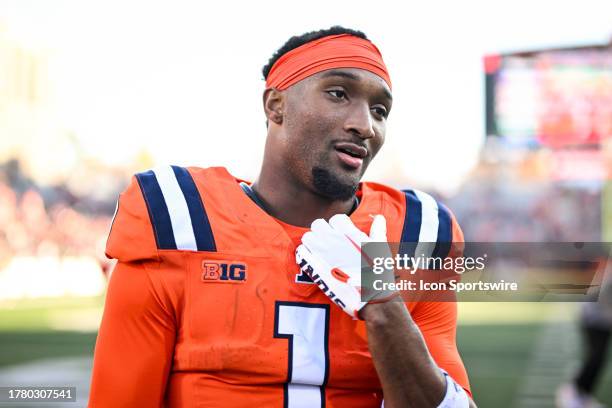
496 340
46 328
498 343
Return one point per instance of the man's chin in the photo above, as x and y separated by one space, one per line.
330 185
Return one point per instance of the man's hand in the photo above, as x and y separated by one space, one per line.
331 255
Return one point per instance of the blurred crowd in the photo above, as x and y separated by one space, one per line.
497 208
41 221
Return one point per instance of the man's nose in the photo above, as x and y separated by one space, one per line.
359 121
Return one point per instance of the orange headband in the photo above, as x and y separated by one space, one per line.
334 51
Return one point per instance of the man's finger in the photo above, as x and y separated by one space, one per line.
378 230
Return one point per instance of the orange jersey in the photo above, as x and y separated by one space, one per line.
207 307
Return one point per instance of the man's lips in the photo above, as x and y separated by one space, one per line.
351 154
352 149
353 162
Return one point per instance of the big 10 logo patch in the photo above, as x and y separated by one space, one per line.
224 271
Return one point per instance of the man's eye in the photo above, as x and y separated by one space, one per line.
336 93
382 112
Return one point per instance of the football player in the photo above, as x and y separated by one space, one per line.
236 294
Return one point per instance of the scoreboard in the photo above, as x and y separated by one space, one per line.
555 98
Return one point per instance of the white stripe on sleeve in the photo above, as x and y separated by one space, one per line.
177 207
429 225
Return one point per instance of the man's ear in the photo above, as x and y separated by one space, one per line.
273 101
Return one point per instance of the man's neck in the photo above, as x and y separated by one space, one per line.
294 204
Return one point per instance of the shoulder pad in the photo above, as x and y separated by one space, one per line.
131 235
160 210
428 221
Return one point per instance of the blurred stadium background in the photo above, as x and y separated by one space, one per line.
504 111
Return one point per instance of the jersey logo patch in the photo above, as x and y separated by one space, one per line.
223 271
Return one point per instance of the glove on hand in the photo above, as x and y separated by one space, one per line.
331 255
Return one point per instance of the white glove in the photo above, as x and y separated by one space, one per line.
331 255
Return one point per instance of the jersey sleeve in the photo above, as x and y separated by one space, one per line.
135 343
438 322
131 235
458 241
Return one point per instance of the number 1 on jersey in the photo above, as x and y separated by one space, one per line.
306 327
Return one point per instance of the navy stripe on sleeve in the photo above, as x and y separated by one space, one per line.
199 219
158 210
412 223
445 233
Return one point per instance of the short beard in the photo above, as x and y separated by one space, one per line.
329 186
